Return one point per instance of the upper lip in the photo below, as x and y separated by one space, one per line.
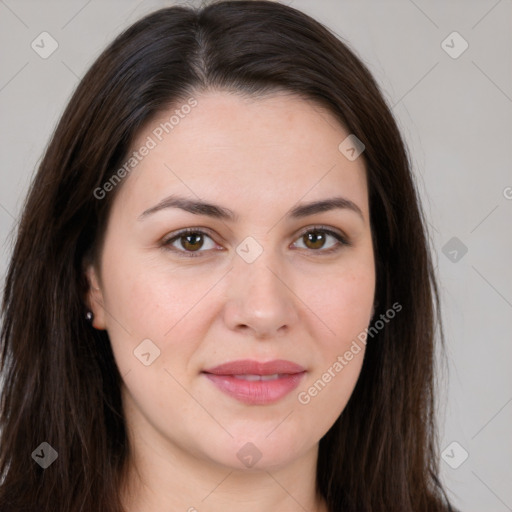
251 367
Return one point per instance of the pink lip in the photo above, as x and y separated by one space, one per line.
256 392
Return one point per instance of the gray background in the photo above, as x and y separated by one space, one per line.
455 114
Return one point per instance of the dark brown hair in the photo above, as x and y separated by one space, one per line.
62 385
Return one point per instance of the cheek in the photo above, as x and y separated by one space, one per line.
147 301
344 310
351 304
342 302
326 393
342 305
149 295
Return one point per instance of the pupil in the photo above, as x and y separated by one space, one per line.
194 243
316 238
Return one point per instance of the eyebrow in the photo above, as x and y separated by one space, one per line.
198 207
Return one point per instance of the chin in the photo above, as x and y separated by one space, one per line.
260 452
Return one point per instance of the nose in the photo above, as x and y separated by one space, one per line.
260 298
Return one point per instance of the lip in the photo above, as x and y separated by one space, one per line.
251 367
256 392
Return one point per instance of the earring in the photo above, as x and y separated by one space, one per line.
89 316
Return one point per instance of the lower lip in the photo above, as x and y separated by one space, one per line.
258 392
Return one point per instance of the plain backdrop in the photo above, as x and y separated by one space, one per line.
445 69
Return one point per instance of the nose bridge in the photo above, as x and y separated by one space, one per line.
258 278
259 297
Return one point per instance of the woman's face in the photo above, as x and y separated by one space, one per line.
267 281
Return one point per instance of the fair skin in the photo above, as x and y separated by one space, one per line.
259 158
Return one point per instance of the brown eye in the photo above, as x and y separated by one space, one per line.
317 240
189 242
192 242
314 239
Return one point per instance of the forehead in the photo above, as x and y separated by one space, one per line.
271 150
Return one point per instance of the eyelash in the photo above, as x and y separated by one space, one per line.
342 241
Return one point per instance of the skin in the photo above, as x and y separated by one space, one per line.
258 157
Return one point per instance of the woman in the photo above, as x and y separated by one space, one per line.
232 302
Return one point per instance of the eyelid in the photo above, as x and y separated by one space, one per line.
337 233
166 242
343 240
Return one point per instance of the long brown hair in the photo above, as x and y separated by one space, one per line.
61 383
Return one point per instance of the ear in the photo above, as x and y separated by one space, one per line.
94 299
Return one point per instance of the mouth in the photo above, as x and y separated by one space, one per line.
254 378
256 383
